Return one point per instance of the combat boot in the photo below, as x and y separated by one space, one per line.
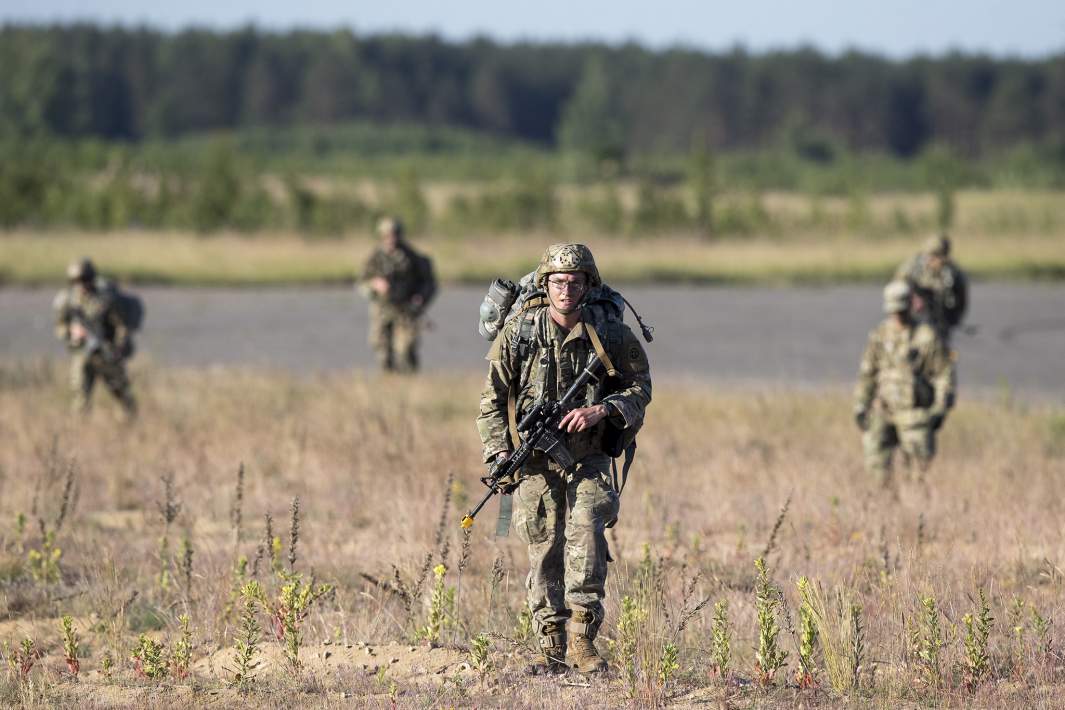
553 646
584 657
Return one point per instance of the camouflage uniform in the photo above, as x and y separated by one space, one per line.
945 292
905 389
98 313
562 516
394 317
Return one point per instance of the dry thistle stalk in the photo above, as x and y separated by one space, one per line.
185 553
772 542
236 510
169 509
294 534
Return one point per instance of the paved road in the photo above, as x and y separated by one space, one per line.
807 335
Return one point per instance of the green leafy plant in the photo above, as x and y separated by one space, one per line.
926 641
769 657
246 644
44 562
1041 625
71 645
807 636
977 650
181 653
479 658
523 629
720 640
668 665
624 646
441 613
289 609
148 658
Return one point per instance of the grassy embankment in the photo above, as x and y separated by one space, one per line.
1002 235
370 461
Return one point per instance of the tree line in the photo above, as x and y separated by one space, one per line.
114 83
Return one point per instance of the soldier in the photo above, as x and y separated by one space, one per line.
940 287
562 515
400 284
905 387
88 320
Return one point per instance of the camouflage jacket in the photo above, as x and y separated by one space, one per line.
98 313
553 361
409 274
945 294
905 368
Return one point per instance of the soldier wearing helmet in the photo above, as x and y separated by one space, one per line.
905 387
89 321
400 285
560 514
941 289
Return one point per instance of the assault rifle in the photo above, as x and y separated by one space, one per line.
94 340
539 432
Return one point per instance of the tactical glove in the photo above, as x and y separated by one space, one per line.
935 420
861 418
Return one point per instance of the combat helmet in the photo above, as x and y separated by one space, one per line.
390 225
81 270
567 259
897 297
938 245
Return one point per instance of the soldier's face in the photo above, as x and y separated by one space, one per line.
389 240
935 262
565 291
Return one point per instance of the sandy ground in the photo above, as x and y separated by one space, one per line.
772 335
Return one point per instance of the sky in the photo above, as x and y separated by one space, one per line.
896 28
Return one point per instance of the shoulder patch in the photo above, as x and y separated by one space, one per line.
634 353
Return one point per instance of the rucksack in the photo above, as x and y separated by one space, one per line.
130 309
505 300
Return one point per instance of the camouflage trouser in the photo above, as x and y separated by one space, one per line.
563 522
394 338
84 370
909 431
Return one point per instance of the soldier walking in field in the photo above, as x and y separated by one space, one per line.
941 289
400 285
905 387
561 514
90 319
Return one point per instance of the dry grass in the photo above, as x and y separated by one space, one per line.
369 460
184 259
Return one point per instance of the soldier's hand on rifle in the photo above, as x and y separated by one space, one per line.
583 418
77 333
379 285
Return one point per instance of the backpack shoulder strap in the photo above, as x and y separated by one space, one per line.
597 345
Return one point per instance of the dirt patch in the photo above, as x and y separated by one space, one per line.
409 664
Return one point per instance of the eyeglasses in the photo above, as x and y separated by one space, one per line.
561 285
